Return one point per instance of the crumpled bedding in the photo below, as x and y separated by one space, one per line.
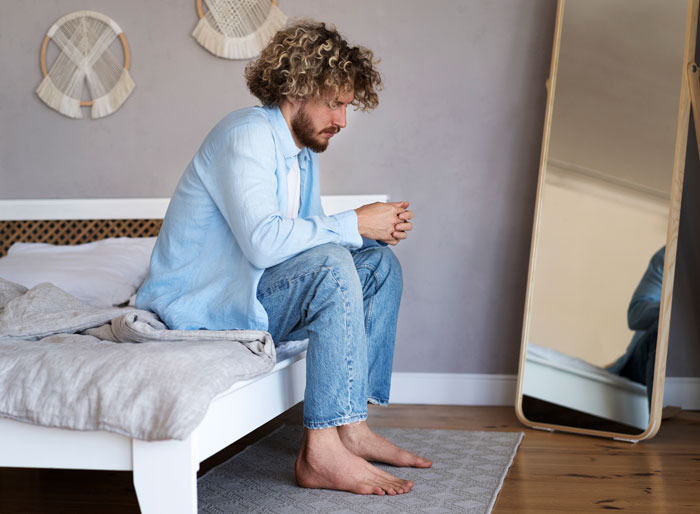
66 364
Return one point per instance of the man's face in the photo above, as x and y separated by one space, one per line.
317 121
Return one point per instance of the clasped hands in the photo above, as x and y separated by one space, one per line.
387 222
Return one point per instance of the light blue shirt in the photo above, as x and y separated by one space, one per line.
225 225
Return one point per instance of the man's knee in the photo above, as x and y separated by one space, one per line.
330 263
328 255
384 265
335 278
392 262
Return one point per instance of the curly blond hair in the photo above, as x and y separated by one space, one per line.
310 60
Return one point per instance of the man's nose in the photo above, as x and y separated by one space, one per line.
339 119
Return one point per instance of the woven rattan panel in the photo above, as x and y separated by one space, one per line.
70 232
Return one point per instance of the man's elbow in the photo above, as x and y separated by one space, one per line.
263 247
634 315
642 315
260 258
263 254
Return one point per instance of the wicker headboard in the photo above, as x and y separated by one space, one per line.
70 232
86 220
77 221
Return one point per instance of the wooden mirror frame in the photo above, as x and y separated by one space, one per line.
671 238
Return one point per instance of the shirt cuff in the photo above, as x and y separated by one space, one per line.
346 226
371 243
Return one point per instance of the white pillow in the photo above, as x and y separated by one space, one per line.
102 274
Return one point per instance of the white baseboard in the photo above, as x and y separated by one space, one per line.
452 389
682 392
484 389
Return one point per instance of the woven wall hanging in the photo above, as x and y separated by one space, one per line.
237 29
83 39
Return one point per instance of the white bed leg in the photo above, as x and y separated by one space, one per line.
165 476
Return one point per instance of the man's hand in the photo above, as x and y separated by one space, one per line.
387 222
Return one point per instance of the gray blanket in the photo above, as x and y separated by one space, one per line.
66 364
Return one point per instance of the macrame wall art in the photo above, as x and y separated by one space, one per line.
83 39
237 29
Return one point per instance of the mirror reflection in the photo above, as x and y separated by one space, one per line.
595 287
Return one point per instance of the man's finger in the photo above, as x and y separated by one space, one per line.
403 227
406 215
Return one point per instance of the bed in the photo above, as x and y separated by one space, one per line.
579 385
164 471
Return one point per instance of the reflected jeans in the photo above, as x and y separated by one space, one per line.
640 359
346 303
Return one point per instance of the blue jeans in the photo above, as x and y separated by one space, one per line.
346 303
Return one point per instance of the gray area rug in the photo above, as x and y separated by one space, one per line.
468 471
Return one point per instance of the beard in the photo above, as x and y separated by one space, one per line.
306 134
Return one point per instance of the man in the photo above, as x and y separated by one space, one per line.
245 245
638 361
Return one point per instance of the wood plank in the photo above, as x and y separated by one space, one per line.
552 472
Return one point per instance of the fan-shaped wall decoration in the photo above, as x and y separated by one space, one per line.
237 29
84 38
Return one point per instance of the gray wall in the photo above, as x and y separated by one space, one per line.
457 133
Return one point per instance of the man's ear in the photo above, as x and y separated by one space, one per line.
294 103
289 107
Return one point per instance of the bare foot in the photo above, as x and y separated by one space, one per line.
325 463
360 440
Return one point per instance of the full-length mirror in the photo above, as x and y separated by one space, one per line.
606 225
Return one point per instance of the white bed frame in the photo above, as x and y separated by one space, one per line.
165 472
586 388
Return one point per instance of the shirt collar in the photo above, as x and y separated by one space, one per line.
279 124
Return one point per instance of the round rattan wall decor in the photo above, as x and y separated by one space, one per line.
237 29
83 39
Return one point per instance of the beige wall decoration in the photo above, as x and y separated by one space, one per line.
83 39
237 29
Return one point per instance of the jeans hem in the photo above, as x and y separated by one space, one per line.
378 401
345 420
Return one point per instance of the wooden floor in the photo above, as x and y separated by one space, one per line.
552 472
